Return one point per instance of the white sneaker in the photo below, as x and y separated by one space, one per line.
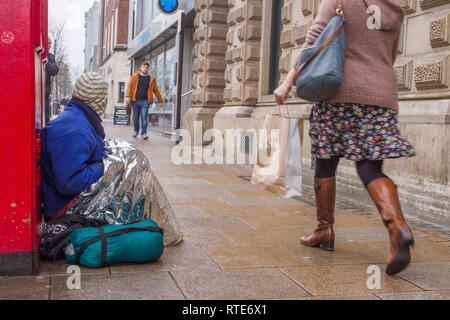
144 137
135 135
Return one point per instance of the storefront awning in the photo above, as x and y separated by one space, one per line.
158 32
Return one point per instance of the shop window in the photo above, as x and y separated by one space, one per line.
121 92
275 46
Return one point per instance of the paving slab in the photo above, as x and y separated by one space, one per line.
363 234
60 268
424 295
344 280
183 182
344 253
356 297
24 288
201 202
254 193
216 222
274 222
353 220
241 284
189 211
304 209
181 192
423 251
428 275
135 286
174 258
256 256
222 179
203 236
280 236
224 209
253 201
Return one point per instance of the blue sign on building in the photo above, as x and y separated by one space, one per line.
168 6
144 36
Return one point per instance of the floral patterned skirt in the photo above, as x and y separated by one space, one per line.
356 132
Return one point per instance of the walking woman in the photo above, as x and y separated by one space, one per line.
360 122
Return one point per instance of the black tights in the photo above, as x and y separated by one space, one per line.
368 170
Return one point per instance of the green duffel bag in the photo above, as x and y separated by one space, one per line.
112 244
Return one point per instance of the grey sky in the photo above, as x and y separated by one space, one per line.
72 12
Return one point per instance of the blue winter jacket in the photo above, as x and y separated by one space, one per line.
71 158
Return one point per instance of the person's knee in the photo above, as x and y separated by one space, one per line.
326 168
369 170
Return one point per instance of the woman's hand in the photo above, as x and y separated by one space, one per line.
281 93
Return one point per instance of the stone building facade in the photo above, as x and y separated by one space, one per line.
114 63
243 48
92 27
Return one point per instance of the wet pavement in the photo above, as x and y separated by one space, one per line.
242 242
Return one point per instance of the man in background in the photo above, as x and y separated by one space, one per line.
139 94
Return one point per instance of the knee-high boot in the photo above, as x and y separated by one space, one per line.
323 236
384 193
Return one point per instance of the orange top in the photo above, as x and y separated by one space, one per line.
152 88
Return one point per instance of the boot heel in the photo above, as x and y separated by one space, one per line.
406 238
327 245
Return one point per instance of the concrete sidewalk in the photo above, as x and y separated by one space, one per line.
242 242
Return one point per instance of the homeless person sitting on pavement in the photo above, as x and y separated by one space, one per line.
72 145
96 190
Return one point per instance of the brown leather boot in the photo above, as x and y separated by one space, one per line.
323 236
384 193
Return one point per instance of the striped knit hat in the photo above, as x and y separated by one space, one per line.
92 89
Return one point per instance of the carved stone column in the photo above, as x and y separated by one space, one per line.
242 61
209 62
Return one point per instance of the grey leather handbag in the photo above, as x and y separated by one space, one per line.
320 67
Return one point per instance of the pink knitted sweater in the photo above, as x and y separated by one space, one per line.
369 77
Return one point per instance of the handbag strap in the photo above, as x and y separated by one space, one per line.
339 12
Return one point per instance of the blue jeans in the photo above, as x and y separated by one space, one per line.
140 110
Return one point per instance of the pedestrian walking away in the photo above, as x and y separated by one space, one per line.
359 122
139 94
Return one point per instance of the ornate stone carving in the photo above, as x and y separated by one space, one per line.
252 53
209 50
286 13
285 63
254 11
404 76
426 4
316 7
439 32
230 19
239 15
307 7
300 33
237 54
228 75
432 75
409 6
227 94
401 40
229 56
286 39
244 35
217 3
